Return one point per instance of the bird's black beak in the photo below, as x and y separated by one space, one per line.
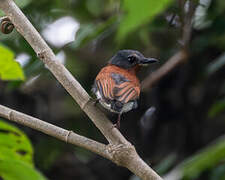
147 61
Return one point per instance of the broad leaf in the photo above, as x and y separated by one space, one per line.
9 68
18 170
14 144
16 155
138 13
207 158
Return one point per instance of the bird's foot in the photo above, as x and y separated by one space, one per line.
117 125
96 101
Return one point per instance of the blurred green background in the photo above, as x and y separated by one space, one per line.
182 139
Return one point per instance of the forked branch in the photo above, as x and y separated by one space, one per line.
119 150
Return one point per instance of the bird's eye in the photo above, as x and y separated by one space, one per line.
131 59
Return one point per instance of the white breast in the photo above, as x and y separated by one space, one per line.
127 107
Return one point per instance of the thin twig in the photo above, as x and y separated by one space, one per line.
187 24
154 77
182 55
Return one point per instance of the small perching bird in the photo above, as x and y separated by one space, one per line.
116 86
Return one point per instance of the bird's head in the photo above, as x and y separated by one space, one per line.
128 59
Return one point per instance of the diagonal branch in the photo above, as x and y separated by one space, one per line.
119 150
26 29
122 154
154 77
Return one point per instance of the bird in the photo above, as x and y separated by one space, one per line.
116 86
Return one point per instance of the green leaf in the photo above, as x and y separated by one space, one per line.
20 3
217 108
139 13
18 170
9 68
16 154
14 144
207 158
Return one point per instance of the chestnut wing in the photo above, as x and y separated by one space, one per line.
124 89
116 87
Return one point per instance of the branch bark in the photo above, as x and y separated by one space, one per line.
26 29
119 150
57 132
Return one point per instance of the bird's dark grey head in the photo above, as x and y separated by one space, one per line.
130 58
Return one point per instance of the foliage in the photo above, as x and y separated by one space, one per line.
10 69
208 158
14 169
189 101
137 14
14 144
217 108
16 155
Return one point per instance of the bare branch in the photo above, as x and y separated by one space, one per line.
187 23
121 154
177 59
182 55
119 150
57 132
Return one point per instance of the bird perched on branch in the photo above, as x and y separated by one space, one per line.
116 86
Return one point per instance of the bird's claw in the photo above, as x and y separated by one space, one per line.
117 125
96 101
